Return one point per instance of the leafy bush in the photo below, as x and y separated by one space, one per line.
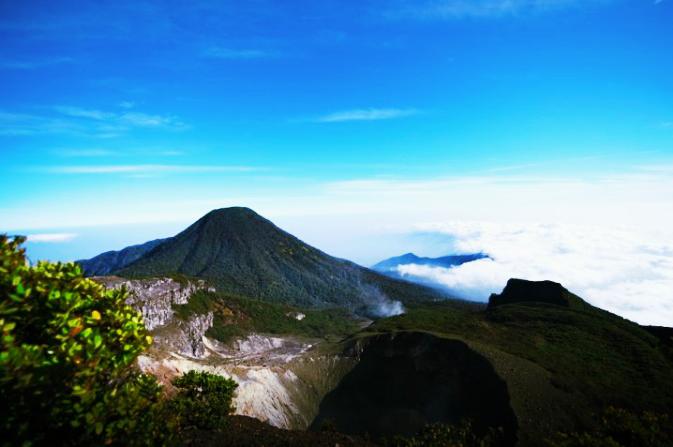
622 428
445 435
66 357
203 400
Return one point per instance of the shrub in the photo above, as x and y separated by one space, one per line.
203 400
66 359
622 428
446 435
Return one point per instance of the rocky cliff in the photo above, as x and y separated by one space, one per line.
154 297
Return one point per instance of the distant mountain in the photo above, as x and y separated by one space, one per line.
239 251
389 266
110 261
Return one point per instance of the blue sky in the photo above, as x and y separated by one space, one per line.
346 122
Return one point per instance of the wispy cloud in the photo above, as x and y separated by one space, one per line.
146 169
366 115
14 124
85 153
78 112
172 153
459 9
51 237
233 53
83 121
15 64
146 120
127 104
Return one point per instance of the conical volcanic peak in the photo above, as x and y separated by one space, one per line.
239 251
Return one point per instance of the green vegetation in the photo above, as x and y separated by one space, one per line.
237 316
446 435
203 400
67 373
66 358
622 428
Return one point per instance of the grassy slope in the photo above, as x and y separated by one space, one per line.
562 365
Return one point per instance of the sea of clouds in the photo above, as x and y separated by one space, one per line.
626 271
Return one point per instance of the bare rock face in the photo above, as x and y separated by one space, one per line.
189 336
281 380
154 297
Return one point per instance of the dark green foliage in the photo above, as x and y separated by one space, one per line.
241 253
238 316
622 428
202 401
243 431
445 435
66 359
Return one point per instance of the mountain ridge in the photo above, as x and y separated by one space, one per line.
390 266
110 261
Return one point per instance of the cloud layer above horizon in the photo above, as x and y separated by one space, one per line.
624 271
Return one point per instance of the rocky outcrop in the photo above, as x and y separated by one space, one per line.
155 297
547 292
186 337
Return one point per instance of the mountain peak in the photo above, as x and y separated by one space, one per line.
240 252
232 212
523 291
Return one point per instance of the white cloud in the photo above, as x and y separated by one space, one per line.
366 115
86 153
626 271
146 120
79 112
460 9
51 237
27 124
83 121
231 53
33 64
146 169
